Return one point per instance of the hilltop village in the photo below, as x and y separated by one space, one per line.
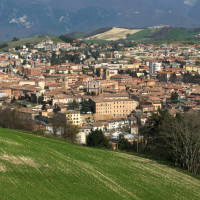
99 86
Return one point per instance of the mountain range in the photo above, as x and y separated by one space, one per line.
24 18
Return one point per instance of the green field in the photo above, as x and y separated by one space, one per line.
96 41
24 41
142 35
33 167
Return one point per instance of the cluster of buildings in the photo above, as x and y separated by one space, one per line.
111 88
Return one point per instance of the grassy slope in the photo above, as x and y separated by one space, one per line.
76 35
177 34
66 171
35 40
142 35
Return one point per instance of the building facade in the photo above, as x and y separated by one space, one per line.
114 107
72 116
155 67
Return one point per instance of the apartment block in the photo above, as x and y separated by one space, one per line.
72 116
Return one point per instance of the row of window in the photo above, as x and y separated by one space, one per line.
122 102
109 108
120 111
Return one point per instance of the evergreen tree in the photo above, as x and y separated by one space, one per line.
124 144
173 78
97 139
53 58
73 105
174 97
86 106
13 100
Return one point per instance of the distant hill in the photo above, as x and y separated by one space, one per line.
105 35
154 34
34 167
165 34
24 18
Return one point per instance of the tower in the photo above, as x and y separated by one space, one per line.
10 71
107 74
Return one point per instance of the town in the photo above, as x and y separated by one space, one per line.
100 100
99 86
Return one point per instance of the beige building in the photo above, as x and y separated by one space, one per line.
73 116
116 107
4 63
84 132
27 113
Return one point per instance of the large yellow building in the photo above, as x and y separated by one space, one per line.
113 107
191 68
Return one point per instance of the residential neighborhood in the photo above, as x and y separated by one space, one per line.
99 86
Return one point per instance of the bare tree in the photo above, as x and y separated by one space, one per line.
65 128
183 136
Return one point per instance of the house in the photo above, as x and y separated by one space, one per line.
115 124
134 129
84 131
133 138
27 113
32 72
147 108
97 125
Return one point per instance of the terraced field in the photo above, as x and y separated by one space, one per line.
33 167
115 34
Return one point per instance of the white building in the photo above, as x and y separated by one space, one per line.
155 67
